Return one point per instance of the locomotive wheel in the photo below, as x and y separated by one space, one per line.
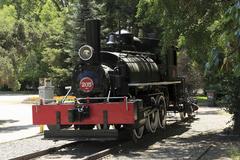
152 121
137 133
161 103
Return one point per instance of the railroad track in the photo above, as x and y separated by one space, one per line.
44 152
99 152
205 151
93 156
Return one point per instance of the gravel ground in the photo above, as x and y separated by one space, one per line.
16 125
82 150
180 148
22 147
186 140
16 118
16 122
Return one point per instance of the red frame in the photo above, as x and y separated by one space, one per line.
118 113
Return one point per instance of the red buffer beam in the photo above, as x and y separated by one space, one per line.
117 113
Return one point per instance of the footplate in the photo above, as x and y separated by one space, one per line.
99 135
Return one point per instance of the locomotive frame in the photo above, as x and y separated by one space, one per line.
124 99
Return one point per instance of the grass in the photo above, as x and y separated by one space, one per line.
35 99
31 100
234 153
69 99
201 99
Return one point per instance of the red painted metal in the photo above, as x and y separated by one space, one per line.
118 113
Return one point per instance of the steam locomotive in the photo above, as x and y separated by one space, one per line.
123 87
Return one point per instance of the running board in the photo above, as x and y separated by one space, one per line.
153 83
82 135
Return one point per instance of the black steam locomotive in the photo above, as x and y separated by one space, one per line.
125 86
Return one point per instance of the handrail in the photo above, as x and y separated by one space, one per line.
99 98
125 100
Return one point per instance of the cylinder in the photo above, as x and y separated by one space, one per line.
93 37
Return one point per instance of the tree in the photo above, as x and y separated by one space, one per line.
12 47
22 39
190 70
208 32
229 69
119 11
65 34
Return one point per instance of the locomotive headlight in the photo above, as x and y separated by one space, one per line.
85 52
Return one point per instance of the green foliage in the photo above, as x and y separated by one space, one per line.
41 39
185 20
22 40
209 32
201 99
225 61
83 10
234 153
8 18
6 70
12 48
191 71
122 11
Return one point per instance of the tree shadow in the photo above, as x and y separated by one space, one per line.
82 150
14 128
87 148
159 139
164 144
158 147
8 121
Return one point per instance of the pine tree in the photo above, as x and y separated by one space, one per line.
84 11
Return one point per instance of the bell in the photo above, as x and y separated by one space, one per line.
111 40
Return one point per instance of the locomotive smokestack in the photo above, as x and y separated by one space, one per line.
93 37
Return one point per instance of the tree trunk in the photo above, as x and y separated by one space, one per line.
236 125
